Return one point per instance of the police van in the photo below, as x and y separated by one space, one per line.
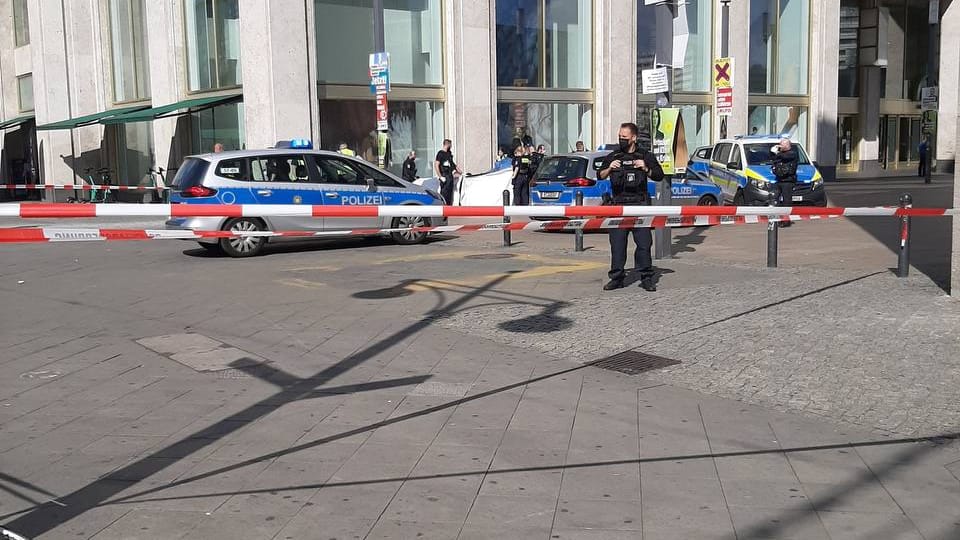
741 167
292 173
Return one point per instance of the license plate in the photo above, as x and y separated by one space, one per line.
549 194
797 198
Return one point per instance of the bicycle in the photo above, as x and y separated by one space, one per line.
156 186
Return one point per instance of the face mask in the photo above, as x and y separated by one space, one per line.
624 145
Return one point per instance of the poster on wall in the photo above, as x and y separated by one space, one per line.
669 140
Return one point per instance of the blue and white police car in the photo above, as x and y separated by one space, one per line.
292 173
561 176
741 167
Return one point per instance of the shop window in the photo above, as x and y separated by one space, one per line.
213 44
131 64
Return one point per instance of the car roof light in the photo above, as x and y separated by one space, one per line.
295 144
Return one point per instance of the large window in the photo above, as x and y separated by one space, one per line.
21 24
414 125
781 120
696 18
558 126
779 46
131 68
849 43
412 36
25 92
544 43
135 152
222 124
213 44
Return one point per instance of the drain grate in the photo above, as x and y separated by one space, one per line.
633 362
485 256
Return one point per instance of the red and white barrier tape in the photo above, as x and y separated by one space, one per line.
79 187
58 234
61 210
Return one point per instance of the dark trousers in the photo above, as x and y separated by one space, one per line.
446 190
643 261
521 191
785 192
923 166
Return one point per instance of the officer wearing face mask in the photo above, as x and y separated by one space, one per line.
628 169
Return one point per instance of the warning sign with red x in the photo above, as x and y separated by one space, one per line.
723 73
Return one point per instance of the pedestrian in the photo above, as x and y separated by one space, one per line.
924 149
217 148
579 147
345 150
628 169
522 171
784 167
445 167
410 167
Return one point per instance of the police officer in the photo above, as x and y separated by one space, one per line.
522 171
628 169
784 166
410 167
445 167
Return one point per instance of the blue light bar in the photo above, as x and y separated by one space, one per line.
296 144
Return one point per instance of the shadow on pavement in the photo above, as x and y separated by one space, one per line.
930 237
317 244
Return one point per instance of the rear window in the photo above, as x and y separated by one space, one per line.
561 168
191 173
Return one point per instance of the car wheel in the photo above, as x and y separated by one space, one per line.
707 200
243 246
738 198
407 238
213 249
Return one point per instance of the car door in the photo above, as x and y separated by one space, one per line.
286 179
344 183
718 169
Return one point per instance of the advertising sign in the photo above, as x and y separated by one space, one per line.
669 140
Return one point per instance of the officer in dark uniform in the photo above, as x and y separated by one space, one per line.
628 169
445 167
410 167
522 171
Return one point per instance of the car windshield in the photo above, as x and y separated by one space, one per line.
760 154
560 168
191 173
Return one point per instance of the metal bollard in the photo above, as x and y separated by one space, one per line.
663 248
578 234
506 219
772 239
903 258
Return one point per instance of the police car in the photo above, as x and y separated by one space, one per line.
561 176
700 160
292 173
741 167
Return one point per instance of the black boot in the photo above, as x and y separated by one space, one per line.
613 284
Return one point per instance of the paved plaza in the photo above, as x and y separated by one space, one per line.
357 389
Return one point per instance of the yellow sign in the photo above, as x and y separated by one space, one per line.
723 73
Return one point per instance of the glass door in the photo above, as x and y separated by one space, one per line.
847 137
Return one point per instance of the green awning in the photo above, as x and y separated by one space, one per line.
14 122
89 119
173 109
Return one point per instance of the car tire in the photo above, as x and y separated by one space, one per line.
213 249
738 199
409 238
707 200
243 246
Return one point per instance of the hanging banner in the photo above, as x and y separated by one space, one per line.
669 140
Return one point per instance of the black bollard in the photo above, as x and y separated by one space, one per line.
772 238
506 219
903 258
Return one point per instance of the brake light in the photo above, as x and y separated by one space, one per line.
198 191
580 182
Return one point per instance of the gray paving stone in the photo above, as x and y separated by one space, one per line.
766 494
412 530
499 511
591 514
617 482
778 523
857 526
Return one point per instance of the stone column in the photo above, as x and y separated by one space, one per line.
822 114
739 49
279 79
168 80
615 90
470 109
949 83
51 88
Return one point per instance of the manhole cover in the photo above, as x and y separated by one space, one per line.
482 256
633 362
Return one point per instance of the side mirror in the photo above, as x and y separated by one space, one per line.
733 166
371 185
